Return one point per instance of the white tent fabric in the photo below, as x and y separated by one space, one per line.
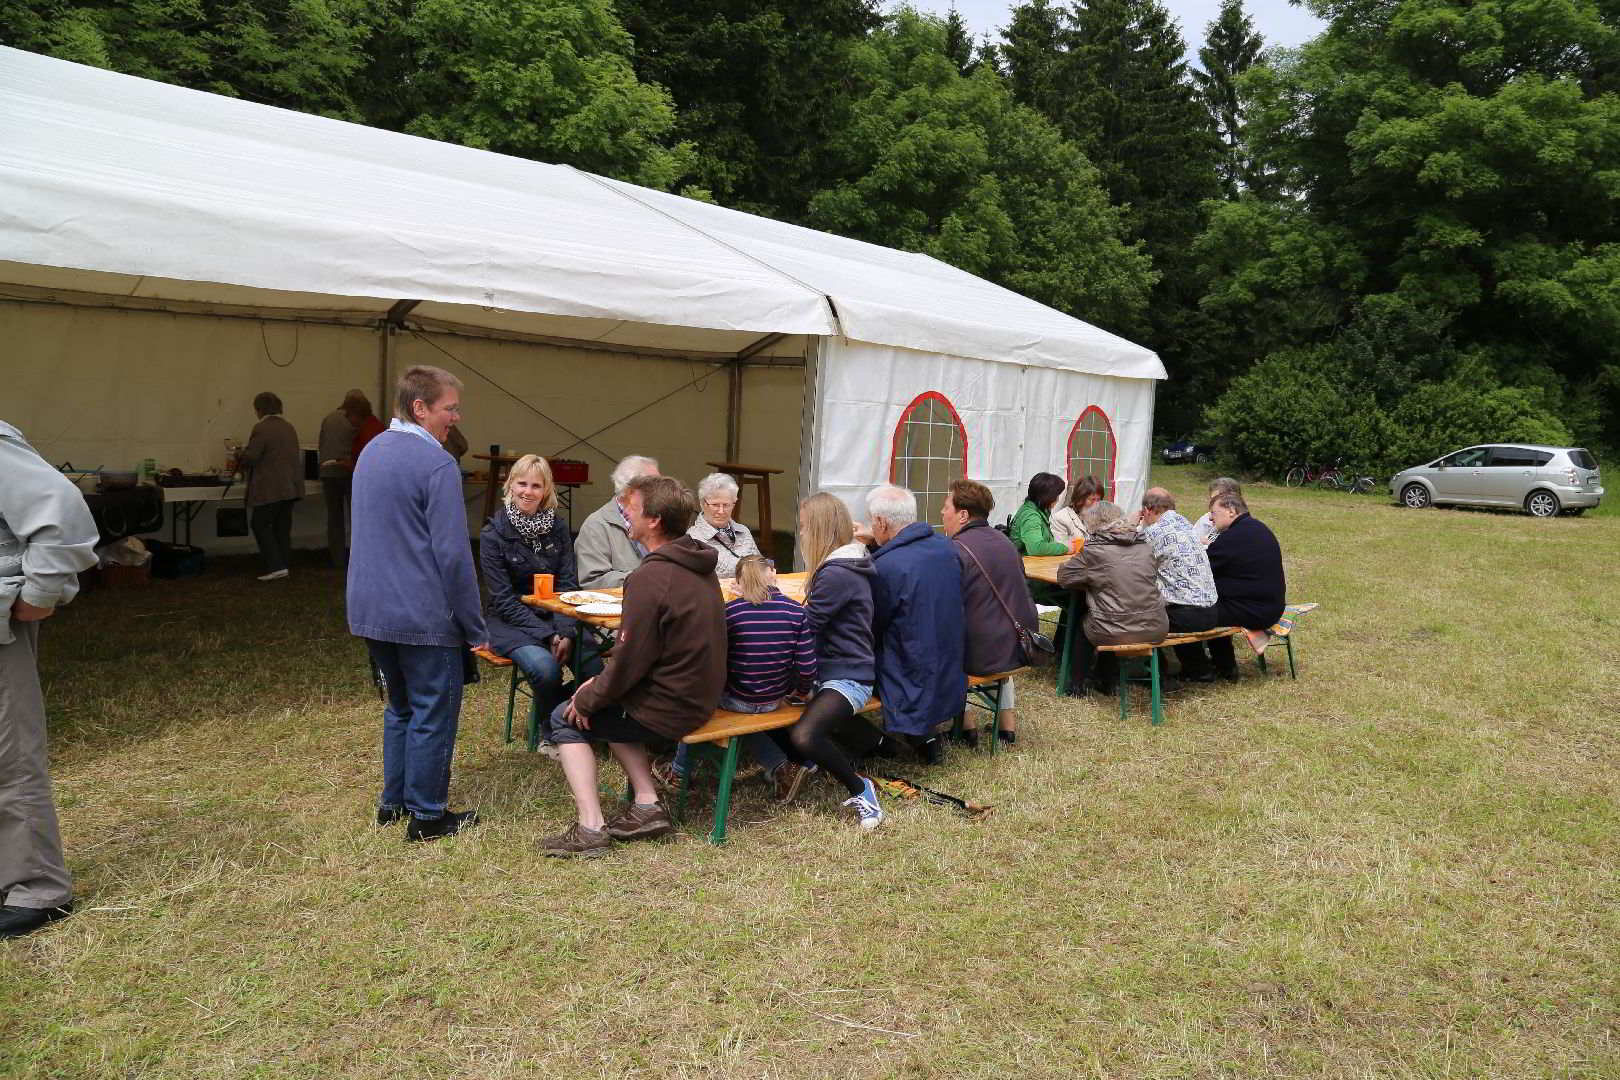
183 195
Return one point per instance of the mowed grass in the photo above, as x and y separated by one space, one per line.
1403 864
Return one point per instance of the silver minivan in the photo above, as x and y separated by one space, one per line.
1541 480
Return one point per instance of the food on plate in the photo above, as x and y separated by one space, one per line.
585 596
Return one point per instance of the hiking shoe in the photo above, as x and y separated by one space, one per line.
387 815
786 780
639 822
433 828
866 806
17 921
578 842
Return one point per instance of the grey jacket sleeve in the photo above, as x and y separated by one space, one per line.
46 532
594 555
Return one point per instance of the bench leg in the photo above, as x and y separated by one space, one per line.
511 703
1153 674
534 723
1063 661
722 798
1288 643
1126 666
1260 658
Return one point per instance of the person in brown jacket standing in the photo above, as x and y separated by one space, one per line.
664 679
1121 582
275 481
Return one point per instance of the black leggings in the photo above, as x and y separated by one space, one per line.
812 737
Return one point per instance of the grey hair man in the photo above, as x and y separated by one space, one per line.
46 537
917 621
605 552
1185 580
718 526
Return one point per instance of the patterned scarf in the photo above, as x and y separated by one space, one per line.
531 527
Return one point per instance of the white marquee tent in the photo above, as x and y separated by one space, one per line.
166 253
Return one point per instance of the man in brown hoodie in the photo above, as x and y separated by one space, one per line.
663 680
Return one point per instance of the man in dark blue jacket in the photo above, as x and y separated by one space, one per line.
918 623
1249 582
413 597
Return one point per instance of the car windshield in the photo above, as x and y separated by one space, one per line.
1583 459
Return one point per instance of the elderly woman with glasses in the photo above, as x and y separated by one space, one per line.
717 498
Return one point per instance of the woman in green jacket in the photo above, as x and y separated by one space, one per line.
1032 529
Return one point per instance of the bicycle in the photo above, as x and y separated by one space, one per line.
1299 475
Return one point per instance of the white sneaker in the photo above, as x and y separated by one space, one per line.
274 575
866 806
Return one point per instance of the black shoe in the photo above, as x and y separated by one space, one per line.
17 921
1201 677
1171 686
931 751
433 828
1229 676
968 737
1008 737
387 815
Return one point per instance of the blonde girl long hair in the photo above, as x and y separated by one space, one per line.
825 527
754 579
533 463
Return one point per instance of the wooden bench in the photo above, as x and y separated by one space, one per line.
1141 660
725 730
519 684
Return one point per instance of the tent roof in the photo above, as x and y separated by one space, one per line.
117 185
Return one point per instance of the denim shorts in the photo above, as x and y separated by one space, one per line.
731 704
857 694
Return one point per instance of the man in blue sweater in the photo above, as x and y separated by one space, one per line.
917 623
413 596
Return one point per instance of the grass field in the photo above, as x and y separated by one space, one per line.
1402 865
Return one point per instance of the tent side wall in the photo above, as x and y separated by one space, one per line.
1018 420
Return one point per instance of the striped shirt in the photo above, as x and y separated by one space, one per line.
771 650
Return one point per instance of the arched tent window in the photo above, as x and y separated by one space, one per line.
1091 449
930 450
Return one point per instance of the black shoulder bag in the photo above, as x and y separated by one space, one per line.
1037 648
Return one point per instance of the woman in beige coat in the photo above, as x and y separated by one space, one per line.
1116 572
1066 524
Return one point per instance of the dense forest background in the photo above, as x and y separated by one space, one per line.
1393 240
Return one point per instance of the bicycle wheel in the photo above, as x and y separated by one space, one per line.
1294 477
1328 481
1364 485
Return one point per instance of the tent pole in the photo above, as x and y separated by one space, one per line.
734 372
385 348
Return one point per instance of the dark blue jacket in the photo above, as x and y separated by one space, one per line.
918 625
838 615
509 564
1249 581
411 577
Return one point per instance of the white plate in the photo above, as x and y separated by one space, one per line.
600 608
585 596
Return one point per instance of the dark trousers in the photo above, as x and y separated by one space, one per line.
1185 619
423 684
1085 663
272 528
337 490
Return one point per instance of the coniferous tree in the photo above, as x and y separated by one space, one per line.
959 42
1231 47
1031 50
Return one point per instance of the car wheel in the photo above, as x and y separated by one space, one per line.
1199 459
1415 496
1542 504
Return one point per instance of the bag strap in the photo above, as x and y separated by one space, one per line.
993 590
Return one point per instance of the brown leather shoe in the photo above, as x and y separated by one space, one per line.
639 822
577 841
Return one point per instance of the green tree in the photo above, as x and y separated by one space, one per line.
1468 154
543 79
951 166
1231 47
959 42
760 86
296 54
1031 52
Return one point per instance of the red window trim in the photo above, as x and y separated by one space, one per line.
905 414
1113 449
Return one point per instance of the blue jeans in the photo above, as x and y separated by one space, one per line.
760 746
423 683
545 675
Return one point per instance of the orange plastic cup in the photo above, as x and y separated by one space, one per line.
544 586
